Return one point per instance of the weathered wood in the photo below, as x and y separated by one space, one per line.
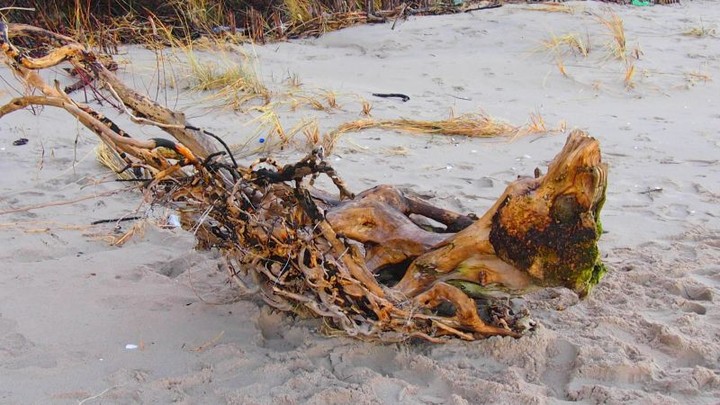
542 230
330 256
68 49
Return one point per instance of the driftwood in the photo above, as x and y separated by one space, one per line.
372 265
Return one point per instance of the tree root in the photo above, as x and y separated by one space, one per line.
325 257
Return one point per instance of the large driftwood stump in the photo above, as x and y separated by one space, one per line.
542 230
365 263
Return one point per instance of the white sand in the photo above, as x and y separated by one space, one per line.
649 333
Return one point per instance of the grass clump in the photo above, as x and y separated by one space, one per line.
571 41
694 77
299 11
202 14
366 107
111 159
618 45
324 100
232 83
700 31
629 75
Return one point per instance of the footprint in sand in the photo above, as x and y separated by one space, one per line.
691 291
176 267
562 356
17 351
275 333
676 211
398 377
693 307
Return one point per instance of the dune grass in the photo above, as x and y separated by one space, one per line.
106 23
231 84
299 11
227 73
554 8
700 31
477 125
616 27
366 107
570 42
616 49
471 125
694 77
629 75
109 158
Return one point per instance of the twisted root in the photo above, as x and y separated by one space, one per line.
305 253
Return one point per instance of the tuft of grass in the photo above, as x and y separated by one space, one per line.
212 75
566 44
366 107
137 229
313 102
537 124
270 134
233 84
202 14
312 134
331 99
270 122
696 76
618 44
109 158
329 142
230 73
629 75
299 11
570 41
293 81
700 31
320 101
561 66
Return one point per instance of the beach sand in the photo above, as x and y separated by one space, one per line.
71 303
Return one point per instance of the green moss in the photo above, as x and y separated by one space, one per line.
576 268
564 253
598 272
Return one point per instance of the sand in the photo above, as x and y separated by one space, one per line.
154 321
